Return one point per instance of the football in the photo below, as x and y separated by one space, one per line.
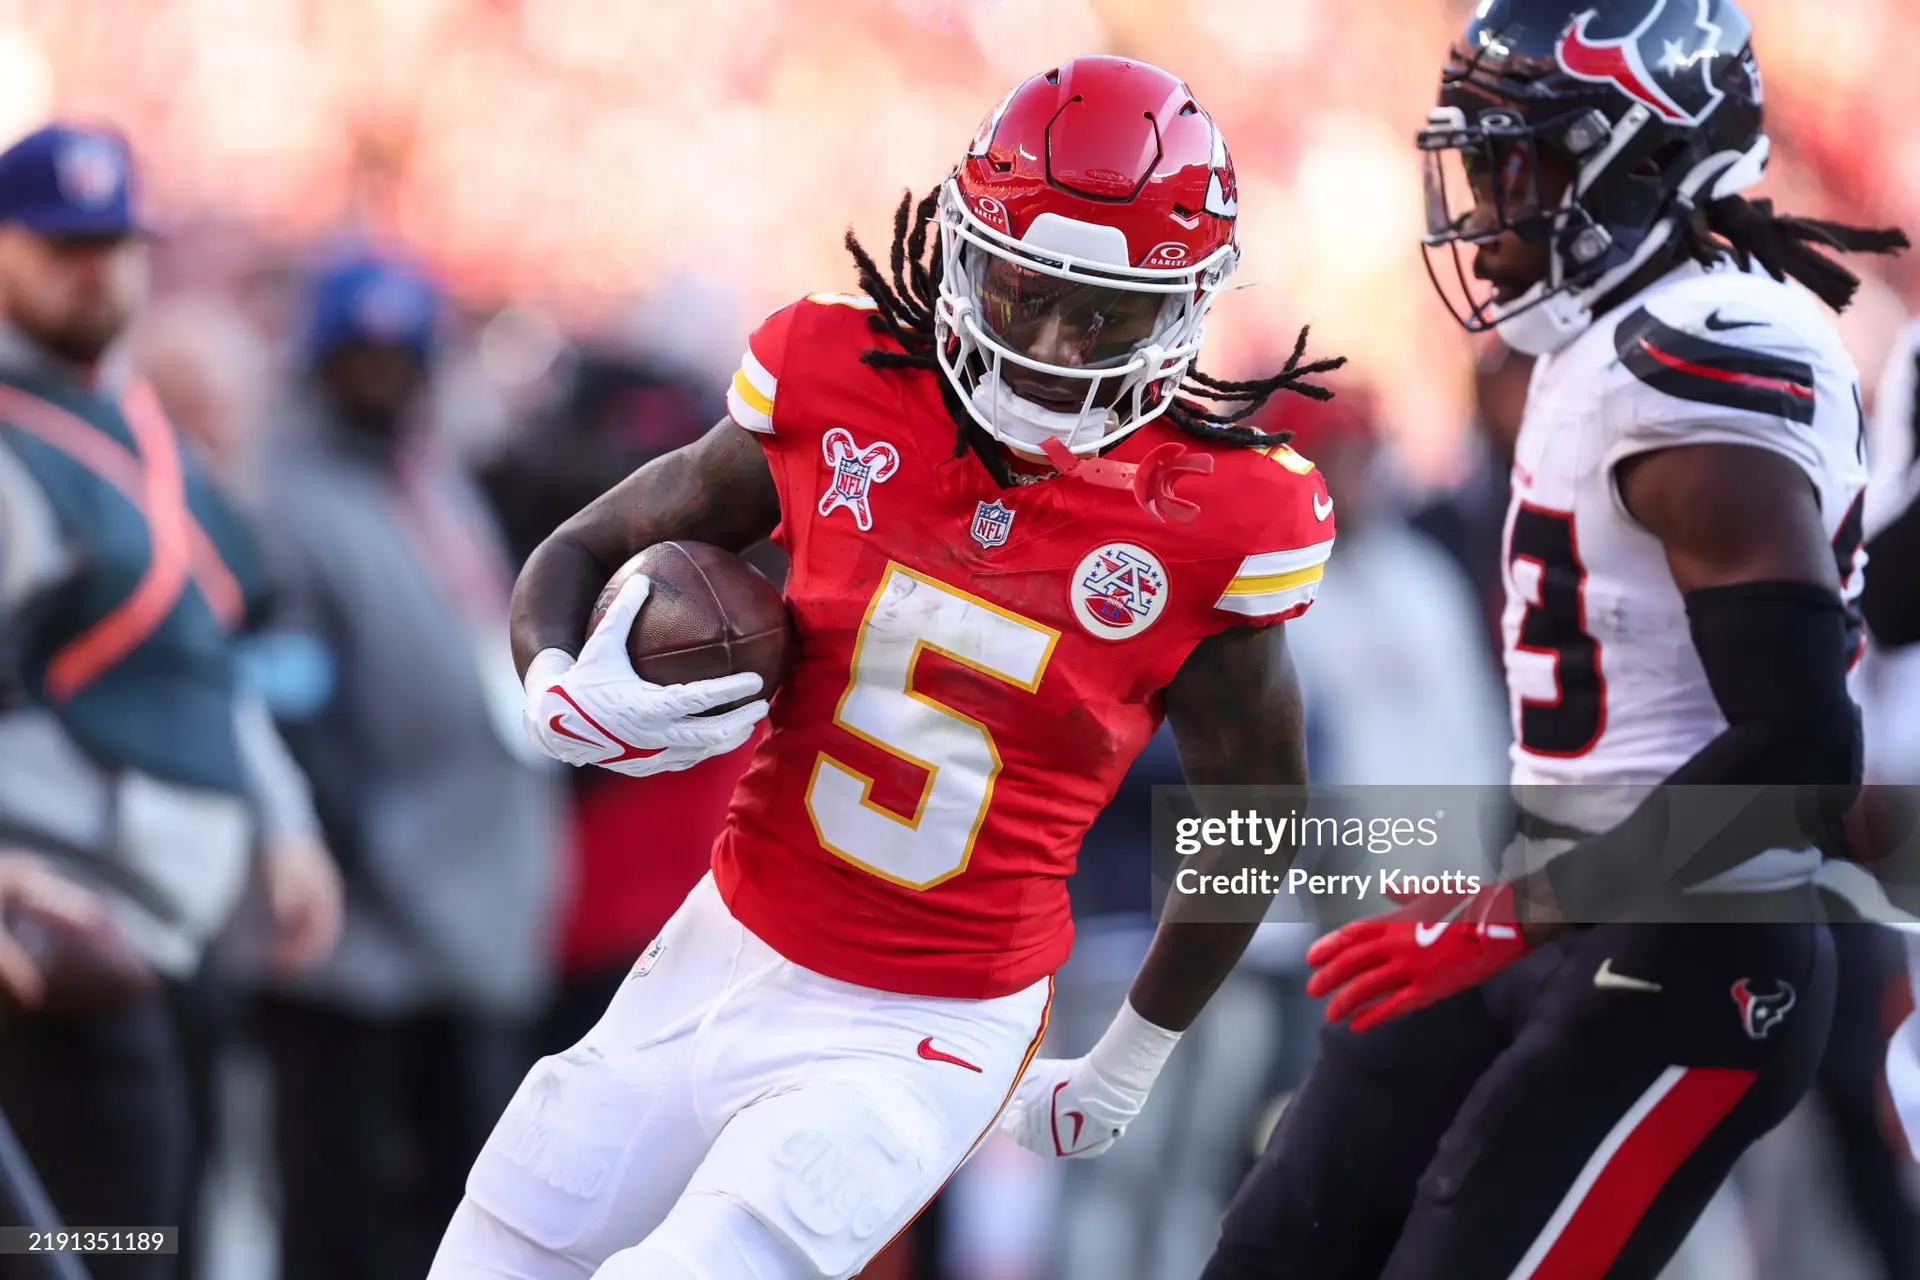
710 614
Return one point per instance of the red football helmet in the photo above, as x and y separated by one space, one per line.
1083 239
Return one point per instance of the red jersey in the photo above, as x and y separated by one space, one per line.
976 667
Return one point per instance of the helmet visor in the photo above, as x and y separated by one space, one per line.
1065 324
1481 183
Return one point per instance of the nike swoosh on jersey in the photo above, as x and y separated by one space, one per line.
1607 980
1718 325
932 1054
1322 510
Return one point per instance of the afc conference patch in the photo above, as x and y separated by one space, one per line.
1118 590
991 523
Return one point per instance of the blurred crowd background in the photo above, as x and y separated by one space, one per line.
604 196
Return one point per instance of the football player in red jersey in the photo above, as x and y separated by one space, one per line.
1019 537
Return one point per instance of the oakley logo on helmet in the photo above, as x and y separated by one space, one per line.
1666 62
993 213
1168 253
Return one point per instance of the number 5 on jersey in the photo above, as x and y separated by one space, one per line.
911 613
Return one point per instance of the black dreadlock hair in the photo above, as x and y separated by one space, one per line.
904 306
1750 231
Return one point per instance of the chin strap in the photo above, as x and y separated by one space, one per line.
1151 479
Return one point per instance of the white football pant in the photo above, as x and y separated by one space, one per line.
734 1116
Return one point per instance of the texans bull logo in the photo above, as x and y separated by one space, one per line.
1668 62
1760 1014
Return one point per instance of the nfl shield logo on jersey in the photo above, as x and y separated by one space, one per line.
1118 590
991 522
855 471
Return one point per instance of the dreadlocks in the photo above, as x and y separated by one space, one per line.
1750 231
904 302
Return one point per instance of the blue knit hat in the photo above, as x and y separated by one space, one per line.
371 301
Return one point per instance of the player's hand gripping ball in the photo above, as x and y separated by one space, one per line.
682 647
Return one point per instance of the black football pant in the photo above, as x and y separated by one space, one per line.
377 1121
1543 1126
99 1103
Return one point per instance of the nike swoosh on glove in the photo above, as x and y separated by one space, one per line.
595 710
1384 968
1064 1109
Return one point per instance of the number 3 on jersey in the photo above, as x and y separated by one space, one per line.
1555 624
909 614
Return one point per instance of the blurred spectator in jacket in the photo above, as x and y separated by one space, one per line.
1399 685
211 369
132 753
639 844
1470 520
393 1060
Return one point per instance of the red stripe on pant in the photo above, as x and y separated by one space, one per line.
1653 1139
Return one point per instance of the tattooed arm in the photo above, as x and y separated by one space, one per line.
1237 720
717 489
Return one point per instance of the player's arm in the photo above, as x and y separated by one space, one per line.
1238 721
1748 549
1746 545
1235 710
585 704
719 490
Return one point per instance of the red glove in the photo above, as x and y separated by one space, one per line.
1383 968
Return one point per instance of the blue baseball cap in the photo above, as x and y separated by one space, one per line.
65 182
375 302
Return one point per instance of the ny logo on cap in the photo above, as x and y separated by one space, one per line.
90 171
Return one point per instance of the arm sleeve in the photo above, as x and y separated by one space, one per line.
1293 531
1781 775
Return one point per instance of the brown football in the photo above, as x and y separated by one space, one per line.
710 614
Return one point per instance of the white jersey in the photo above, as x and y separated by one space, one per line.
1604 685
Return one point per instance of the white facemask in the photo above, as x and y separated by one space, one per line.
1026 425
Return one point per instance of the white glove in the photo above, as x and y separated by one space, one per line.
595 710
1067 1108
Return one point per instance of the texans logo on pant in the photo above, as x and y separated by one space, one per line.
1760 1014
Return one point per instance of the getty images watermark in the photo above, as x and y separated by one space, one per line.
1327 855
1302 836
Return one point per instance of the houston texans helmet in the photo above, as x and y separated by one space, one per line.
1651 108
